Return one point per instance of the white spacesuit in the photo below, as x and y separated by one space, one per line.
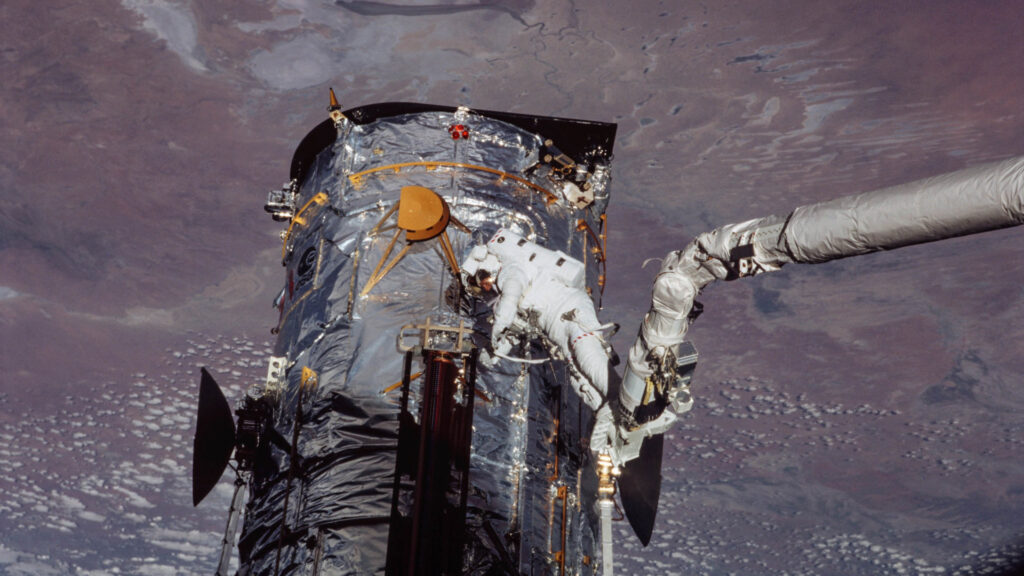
544 290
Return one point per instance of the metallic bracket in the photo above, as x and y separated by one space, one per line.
439 337
276 377
577 196
281 203
559 492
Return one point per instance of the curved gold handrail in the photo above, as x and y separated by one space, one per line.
320 199
599 250
356 179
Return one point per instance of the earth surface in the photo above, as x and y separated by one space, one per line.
859 417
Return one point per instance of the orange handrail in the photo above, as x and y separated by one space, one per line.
356 178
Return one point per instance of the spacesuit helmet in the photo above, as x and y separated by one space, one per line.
480 284
480 270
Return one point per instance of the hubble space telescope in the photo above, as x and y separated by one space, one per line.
442 398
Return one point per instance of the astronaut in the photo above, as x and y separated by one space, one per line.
544 290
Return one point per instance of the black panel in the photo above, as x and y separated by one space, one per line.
214 440
640 488
316 141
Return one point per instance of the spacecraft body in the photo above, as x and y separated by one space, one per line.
394 429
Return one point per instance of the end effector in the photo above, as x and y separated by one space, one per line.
665 397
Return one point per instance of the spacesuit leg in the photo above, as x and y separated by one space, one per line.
571 323
591 358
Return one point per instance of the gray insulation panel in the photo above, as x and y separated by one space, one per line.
340 500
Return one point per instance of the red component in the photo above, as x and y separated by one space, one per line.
458 131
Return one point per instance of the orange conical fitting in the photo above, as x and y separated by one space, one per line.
334 110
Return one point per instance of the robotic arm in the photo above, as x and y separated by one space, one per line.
970 201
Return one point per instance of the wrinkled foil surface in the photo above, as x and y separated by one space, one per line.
529 459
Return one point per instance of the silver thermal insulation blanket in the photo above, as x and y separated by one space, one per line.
529 427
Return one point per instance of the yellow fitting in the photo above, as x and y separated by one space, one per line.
606 474
396 385
310 379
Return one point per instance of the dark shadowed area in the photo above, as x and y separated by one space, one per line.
857 417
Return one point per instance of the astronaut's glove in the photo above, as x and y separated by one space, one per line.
499 328
501 343
488 358
590 395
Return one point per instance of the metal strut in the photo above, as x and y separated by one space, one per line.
606 473
227 544
431 484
